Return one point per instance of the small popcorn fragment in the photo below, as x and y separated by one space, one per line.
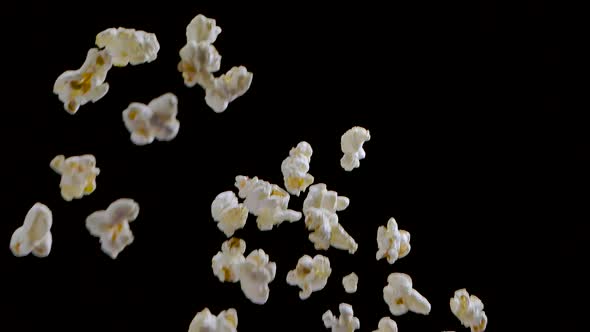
469 310
345 323
87 84
128 46
35 233
295 168
156 120
393 243
111 226
227 88
350 283
255 275
401 297
202 29
318 196
386 324
351 144
225 321
226 263
228 213
78 175
310 274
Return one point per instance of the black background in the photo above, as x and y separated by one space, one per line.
466 152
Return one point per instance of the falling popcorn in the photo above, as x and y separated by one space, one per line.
202 29
128 46
350 282
295 168
311 274
78 175
386 324
469 310
351 144
345 323
255 275
320 197
204 321
226 263
198 63
156 120
401 297
34 235
227 88
112 225
392 242
228 213
87 84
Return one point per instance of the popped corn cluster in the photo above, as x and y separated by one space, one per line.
310 274
78 175
156 120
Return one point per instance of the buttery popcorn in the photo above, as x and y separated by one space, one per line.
310 274
351 144
228 213
386 324
78 175
401 297
128 46
198 63
327 231
392 242
34 236
226 263
255 275
345 323
202 29
225 321
295 168
469 310
156 120
227 88
318 196
111 226
350 282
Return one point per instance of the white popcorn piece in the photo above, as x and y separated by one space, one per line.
386 324
318 196
351 144
128 46
111 226
469 310
310 274
350 283
227 88
78 175
202 30
205 321
393 243
295 168
327 231
34 236
156 120
401 297
226 263
345 323
75 88
198 62
228 213
255 275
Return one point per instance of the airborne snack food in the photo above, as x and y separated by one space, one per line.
78 175
35 233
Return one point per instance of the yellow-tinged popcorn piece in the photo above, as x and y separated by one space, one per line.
75 88
205 321
227 88
295 168
469 310
351 144
156 120
401 297
393 243
198 63
228 213
128 46
327 231
202 30
111 226
345 323
78 175
255 275
35 233
386 324
350 283
310 274
318 196
226 263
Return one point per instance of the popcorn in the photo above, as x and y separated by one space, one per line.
295 168
156 120
350 282
320 197
226 263
227 88
345 323
87 84
469 310
204 321
128 46
351 144
267 201
78 175
202 30
112 225
34 236
386 324
311 274
255 275
401 297
228 213
392 242
198 62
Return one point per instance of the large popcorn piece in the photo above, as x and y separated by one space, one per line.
112 225
34 235
310 274
228 213
156 120
345 323
75 88
401 297
128 46
320 197
268 202
351 144
78 175
469 310
350 283
392 242
255 275
198 63
386 324
227 88
226 263
204 321
295 168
